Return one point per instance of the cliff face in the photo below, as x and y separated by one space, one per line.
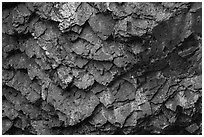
101 68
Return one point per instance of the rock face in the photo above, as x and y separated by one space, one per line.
101 68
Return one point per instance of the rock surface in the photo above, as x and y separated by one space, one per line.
101 68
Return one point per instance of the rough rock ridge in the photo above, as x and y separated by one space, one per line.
101 68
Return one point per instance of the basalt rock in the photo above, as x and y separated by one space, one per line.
101 68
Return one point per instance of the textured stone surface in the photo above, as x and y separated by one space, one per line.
101 68
6 125
102 24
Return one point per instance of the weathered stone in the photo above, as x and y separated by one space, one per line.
106 97
145 110
71 13
133 27
102 68
195 82
54 122
99 119
131 120
16 20
80 62
126 91
137 48
8 110
160 122
31 48
19 61
197 21
89 35
195 6
30 110
176 29
141 10
162 94
6 125
7 22
7 75
170 115
101 77
93 48
84 81
41 128
22 123
98 88
39 29
77 109
102 25
192 128
8 44
114 48
51 33
185 99
118 115
14 97
127 60
102 56
76 29
140 97
187 52
64 73
121 114
152 85
82 48
22 83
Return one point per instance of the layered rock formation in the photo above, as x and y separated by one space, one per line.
101 68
